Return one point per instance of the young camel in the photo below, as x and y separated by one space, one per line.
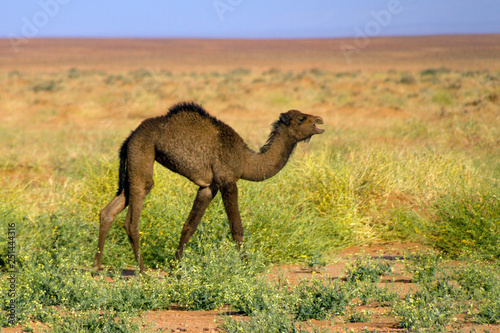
189 141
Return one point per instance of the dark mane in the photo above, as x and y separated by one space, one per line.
272 135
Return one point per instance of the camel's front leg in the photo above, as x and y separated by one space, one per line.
203 199
230 199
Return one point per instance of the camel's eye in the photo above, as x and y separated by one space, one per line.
301 120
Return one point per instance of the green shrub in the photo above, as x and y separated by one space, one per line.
74 73
214 276
274 321
434 71
318 299
48 86
94 321
467 222
368 292
488 311
424 312
362 316
249 296
442 98
366 269
407 79
424 266
476 279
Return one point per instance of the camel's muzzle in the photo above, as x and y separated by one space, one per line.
318 121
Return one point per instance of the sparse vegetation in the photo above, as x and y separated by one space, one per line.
412 158
318 299
48 86
365 269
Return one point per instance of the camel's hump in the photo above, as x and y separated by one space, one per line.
188 107
191 107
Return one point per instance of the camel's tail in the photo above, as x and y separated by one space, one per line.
123 172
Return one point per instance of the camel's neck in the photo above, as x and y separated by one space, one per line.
271 158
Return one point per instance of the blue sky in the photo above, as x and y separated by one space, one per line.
245 18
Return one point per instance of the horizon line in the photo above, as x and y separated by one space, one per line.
254 38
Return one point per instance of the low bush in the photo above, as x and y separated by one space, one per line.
467 222
319 299
366 269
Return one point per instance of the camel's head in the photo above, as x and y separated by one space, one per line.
300 125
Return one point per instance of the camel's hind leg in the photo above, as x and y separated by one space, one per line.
106 217
203 199
132 222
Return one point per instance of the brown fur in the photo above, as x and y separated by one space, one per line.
189 141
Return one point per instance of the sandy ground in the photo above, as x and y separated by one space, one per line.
191 55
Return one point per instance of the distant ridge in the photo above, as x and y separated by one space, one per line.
465 52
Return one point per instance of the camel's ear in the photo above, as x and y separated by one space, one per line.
285 118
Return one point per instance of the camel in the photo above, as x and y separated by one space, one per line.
191 142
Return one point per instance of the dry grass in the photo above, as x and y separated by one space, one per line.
408 154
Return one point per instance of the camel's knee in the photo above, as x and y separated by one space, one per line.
104 217
109 213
